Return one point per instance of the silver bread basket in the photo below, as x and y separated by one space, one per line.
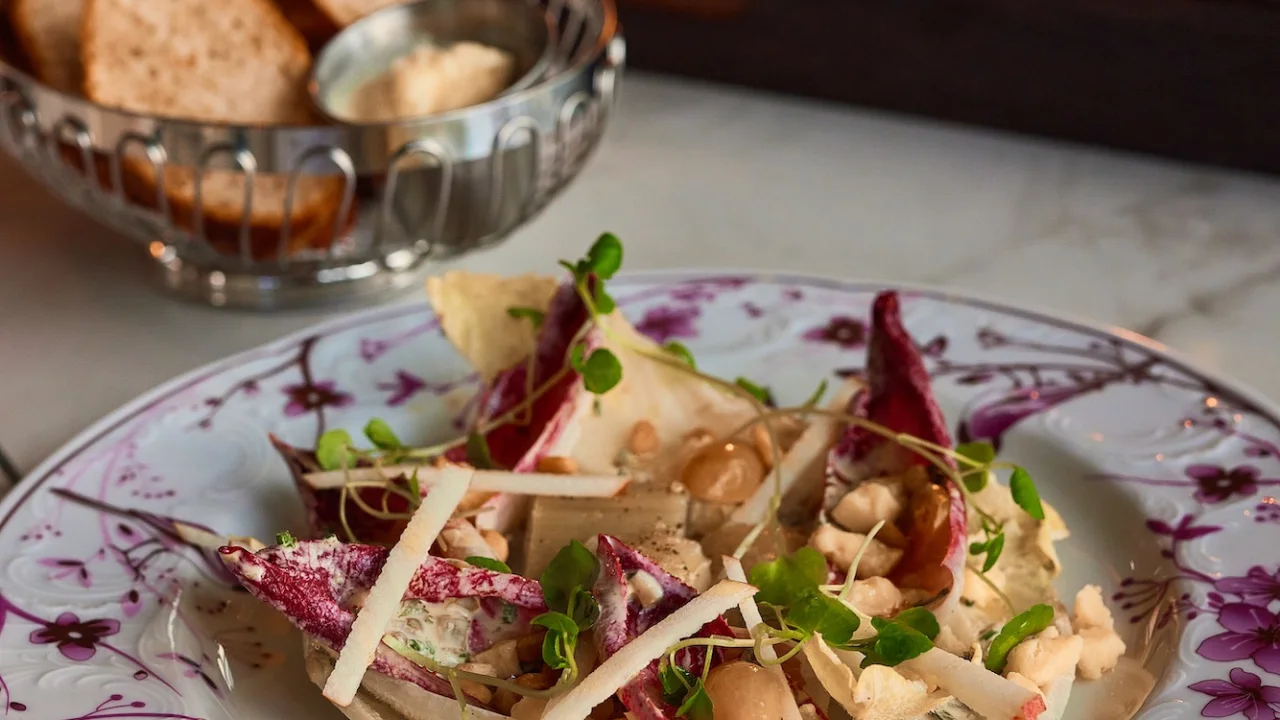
412 191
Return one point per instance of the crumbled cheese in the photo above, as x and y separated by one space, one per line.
840 547
885 694
876 596
1046 656
1090 611
869 503
1094 624
1102 650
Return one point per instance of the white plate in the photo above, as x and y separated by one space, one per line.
1167 477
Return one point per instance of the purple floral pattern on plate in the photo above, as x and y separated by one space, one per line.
1243 694
841 330
667 322
94 531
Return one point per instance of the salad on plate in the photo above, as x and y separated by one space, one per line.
620 534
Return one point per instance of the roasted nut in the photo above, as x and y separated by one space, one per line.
497 542
504 700
539 680
557 465
529 647
764 445
728 473
483 693
643 439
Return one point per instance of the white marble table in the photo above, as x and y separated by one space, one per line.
698 176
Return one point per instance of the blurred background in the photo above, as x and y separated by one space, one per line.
1108 160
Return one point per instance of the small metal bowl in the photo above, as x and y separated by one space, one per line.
367 48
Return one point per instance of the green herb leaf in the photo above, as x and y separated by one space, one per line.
676 683
411 482
602 371
815 611
381 435
758 392
894 643
488 564
784 580
994 547
697 706
975 480
603 300
1024 492
605 256
533 315
478 455
560 641
816 397
920 620
680 351
584 609
981 452
333 450
557 622
577 357
573 568
1023 625
570 267
286 539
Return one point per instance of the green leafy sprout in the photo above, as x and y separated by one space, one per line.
1022 626
533 315
571 608
488 564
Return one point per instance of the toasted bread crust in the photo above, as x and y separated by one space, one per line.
60 68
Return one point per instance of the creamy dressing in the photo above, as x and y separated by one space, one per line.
644 587
440 631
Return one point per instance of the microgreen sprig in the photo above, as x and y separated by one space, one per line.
571 608
686 692
1022 626
488 564
533 315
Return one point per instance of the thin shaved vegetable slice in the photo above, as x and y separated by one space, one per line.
384 597
635 656
493 481
985 692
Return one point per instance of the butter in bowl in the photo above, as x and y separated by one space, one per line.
429 57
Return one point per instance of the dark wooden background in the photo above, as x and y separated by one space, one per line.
1197 80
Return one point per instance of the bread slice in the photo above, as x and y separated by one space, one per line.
49 32
315 25
345 12
234 61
